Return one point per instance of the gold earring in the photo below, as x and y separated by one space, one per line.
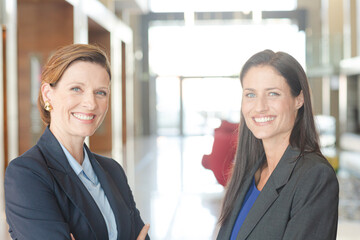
48 106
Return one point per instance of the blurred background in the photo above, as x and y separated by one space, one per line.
176 96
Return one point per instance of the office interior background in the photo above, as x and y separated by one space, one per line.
175 66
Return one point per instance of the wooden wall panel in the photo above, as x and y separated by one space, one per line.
43 26
101 141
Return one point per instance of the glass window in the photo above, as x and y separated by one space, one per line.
207 101
207 59
218 50
168 105
223 5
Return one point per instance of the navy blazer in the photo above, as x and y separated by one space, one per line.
299 201
45 199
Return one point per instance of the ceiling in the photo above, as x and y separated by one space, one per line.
140 6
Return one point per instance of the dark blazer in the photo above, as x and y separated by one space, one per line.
299 201
45 199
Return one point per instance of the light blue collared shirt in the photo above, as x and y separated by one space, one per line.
88 177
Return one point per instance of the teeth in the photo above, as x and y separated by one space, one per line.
264 119
83 117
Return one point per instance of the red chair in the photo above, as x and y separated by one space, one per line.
223 151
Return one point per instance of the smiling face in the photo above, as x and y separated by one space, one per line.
268 107
79 100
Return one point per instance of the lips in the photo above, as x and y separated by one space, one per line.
263 119
83 116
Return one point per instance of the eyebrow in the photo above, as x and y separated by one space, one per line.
77 83
104 88
83 84
267 89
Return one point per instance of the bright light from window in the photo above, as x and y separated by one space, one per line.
218 50
208 58
223 5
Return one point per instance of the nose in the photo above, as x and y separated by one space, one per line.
261 104
89 101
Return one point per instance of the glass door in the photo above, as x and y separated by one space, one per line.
207 101
197 69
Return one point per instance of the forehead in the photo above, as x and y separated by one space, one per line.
259 77
85 71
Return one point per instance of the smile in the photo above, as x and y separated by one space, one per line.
264 119
83 116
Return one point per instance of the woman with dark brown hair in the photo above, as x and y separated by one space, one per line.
281 187
59 189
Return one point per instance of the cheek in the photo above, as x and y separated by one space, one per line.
246 107
104 105
293 117
246 114
289 112
64 105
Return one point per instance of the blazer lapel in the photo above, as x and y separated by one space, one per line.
71 184
226 230
267 196
114 197
270 192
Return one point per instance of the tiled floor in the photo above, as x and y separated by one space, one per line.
177 196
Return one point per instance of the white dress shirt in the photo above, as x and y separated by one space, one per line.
88 177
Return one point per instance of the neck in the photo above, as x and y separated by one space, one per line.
73 144
274 151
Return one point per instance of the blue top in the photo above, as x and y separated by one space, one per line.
88 177
248 202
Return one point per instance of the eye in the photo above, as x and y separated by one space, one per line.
274 94
101 93
250 95
75 89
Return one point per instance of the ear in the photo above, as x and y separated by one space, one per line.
299 100
46 91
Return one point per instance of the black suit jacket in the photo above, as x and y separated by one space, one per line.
299 201
45 199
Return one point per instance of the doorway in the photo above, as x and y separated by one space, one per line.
197 69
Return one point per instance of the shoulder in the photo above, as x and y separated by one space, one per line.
28 169
314 173
314 164
109 164
106 161
31 159
313 186
115 172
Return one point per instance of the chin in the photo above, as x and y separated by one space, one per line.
261 136
86 133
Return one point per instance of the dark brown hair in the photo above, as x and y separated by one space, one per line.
303 135
61 60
